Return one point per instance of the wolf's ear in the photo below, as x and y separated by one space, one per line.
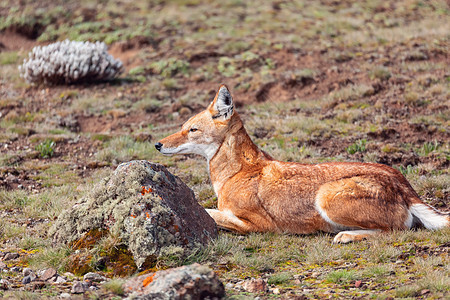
222 107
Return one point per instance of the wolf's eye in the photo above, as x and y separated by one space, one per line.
193 130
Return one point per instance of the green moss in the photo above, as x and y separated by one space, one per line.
120 261
80 263
89 239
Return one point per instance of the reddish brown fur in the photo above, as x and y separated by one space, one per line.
258 193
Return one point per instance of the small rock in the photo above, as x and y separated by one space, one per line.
187 282
26 279
11 256
27 271
4 284
69 275
358 283
229 285
276 291
48 274
60 279
79 287
65 296
315 274
3 266
30 277
16 269
94 277
255 285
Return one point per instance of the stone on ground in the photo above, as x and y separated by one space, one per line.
48 274
152 211
188 282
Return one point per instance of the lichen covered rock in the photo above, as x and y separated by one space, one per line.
152 212
70 62
188 282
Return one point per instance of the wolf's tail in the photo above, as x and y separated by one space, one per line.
429 217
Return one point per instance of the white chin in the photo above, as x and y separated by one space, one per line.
207 151
168 152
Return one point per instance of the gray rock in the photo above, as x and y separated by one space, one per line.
94 277
154 213
60 279
29 278
3 266
188 282
65 296
27 271
79 287
69 275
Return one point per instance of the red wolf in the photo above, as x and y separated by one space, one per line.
257 193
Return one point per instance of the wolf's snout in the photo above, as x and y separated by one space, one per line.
158 146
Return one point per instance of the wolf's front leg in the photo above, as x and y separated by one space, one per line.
227 220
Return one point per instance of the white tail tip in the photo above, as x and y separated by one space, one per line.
429 217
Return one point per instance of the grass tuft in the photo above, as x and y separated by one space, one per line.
280 278
46 148
115 286
341 276
358 146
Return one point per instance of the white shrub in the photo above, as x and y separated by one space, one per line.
69 62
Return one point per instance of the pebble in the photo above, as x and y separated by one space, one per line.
65 296
26 279
94 277
60 279
79 287
229 285
276 291
27 271
3 265
48 274
255 285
